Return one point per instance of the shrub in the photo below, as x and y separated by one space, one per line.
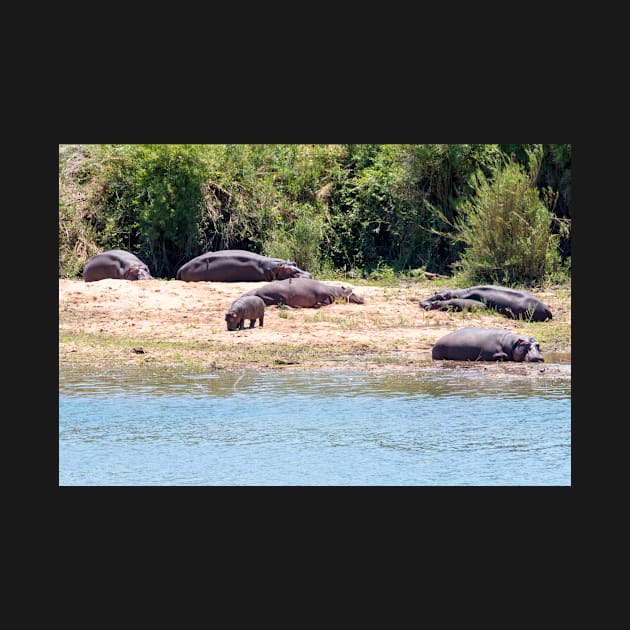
507 226
358 209
299 241
399 200
77 237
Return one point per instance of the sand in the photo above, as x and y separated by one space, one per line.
173 323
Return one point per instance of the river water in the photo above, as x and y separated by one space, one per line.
430 427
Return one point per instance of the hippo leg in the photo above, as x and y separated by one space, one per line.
132 273
499 356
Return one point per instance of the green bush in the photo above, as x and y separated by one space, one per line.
299 240
507 226
156 196
78 237
146 199
355 209
399 200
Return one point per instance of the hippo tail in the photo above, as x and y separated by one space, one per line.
178 275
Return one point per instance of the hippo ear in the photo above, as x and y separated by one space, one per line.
520 341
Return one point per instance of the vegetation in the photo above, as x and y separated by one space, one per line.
491 212
507 226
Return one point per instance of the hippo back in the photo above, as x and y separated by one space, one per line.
509 302
235 265
117 264
304 293
486 344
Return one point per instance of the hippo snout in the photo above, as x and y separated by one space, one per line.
533 353
527 350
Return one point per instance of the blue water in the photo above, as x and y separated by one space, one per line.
428 428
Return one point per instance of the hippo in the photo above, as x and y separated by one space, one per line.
509 302
238 265
117 264
303 293
486 344
249 307
455 304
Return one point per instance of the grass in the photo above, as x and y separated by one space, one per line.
345 322
82 349
548 334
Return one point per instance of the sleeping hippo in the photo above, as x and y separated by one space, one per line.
455 304
304 293
246 307
509 302
486 344
117 264
238 265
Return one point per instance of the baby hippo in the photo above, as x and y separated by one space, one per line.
249 307
455 304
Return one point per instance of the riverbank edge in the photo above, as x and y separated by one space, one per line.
113 348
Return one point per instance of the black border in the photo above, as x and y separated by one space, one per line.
446 509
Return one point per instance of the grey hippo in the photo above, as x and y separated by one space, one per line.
304 293
117 264
456 304
486 344
238 265
509 302
246 307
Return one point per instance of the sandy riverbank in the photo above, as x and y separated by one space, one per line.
172 323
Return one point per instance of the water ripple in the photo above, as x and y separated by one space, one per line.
455 427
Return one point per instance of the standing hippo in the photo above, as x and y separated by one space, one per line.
116 264
303 293
509 302
246 307
237 265
486 344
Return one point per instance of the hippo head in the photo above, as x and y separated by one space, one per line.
438 296
534 311
289 270
351 296
141 272
232 319
283 271
526 350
